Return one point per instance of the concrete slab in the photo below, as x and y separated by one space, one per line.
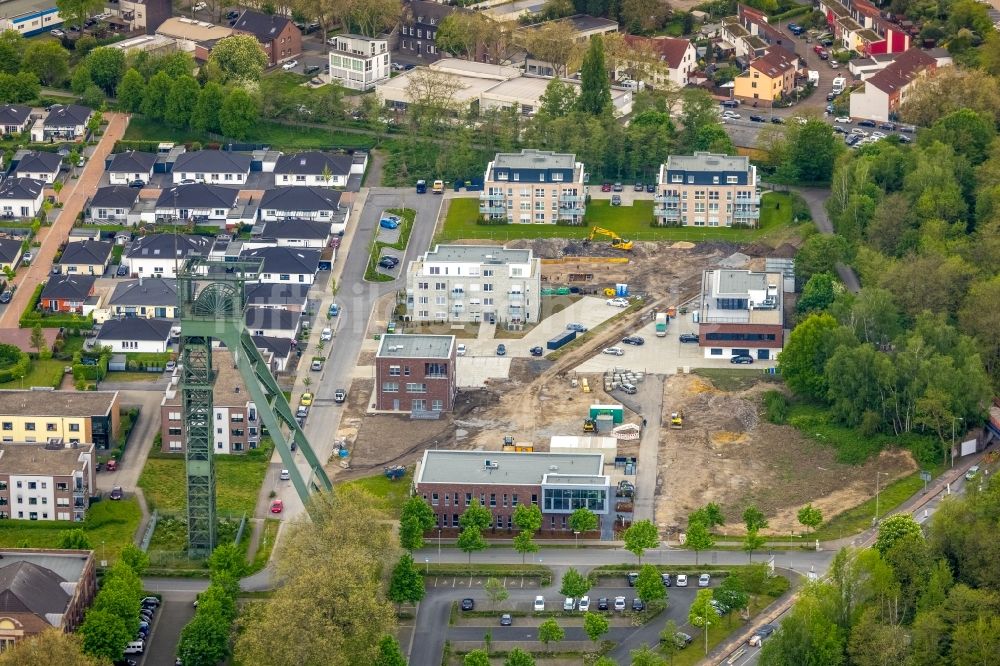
473 371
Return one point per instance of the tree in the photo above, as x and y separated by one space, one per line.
38 342
238 115
460 33
702 613
803 360
154 103
894 528
820 254
807 636
596 625
131 90
751 542
181 101
11 51
478 515
518 657
476 658
496 591
753 518
74 540
969 132
814 150
104 634
78 10
48 60
524 543
204 640
528 517
574 584
205 115
709 515
18 88
818 293
640 537
470 540
239 58
951 89
133 557
51 646
649 585
645 656
107 66
811 517
698 538
583 520
644 16
553 42
93 96
873 643
389 653
731 594
595 89
406 583
669 646
549 631
372 17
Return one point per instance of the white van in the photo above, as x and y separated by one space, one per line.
135 647
838 85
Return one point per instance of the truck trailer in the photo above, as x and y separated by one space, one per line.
560 340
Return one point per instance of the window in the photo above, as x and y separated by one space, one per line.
175 445
74 427
493 499
50 427
29 426
436 405
7 425
32 485
390 387
468 499
534 498
174 431
394 371
434 499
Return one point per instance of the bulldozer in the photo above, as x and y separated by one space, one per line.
677 420
617 241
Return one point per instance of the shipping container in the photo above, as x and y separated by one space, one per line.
561 339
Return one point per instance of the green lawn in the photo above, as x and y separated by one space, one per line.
859 518
237 484
42 373
372 273
392 493
109 526
726 379
267 537
280 137
632 222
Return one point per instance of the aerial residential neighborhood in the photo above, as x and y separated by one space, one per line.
499 333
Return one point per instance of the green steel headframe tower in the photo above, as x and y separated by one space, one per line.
212 300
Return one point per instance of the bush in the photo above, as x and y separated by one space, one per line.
486 222
14 363
776 405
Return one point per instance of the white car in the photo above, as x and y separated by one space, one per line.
539 604
876 136
704 580
284 475
842 119
290 65
569 604
326 335
971 474
732 115
682 580
584 604
26 257
614 351
460 350
859 132
619 603
618 302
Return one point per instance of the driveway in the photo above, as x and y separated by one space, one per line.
139 442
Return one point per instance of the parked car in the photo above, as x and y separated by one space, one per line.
539 604
651 188
116 493
617 187
170 366
631 578
284 475
461 349
501 349
778 120
614 351
839 130
112 465
971 474
606 187
704 580
731 115
730 103
26 257
389 222
232 14
758 119
689 337
569 604
616 200
334 310
317 365
618 302
326 334
506 620
742 359
290 65
681 639
310 70
536 351
842 119
666 579
602 604
468 604
636 340
277 506
340 395
584 604
619 603
57 33
638 187
6 296
867 123
137 184
579 328
306 399
762 633
637 604
388 262
682 580
630 389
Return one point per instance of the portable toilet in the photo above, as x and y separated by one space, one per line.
621 290
617 412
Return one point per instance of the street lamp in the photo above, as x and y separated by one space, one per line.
576 536
439 544
953 419
427 562
878 476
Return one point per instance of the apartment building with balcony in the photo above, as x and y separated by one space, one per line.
76 417
472 283
707 190
50 481
741 313
234 415
358 62
534 187
415 374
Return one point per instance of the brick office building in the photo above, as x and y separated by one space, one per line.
741 313
559 483
415 373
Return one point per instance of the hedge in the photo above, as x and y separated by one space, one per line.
19 363
32 316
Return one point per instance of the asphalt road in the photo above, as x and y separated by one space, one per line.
357 299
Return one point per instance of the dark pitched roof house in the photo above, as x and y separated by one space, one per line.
313 162
136 328
198 196
295 229
300 199
68 115
87 252
10 249
21 189
68 288
114 196
26 587
271 319
161 291
901 71
168 245
265 27
14 115
292 260
776 61
132 161
39 161
212 161
276 295
280 347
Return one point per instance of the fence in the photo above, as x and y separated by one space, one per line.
150 528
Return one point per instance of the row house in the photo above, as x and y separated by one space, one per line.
858 25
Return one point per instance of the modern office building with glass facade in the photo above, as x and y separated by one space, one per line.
559 483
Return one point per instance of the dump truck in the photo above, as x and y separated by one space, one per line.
677 419
661 324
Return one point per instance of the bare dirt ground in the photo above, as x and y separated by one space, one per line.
726 453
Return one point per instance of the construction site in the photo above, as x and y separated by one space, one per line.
709 444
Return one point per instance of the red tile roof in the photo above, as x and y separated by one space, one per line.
901 71
670 49
775 62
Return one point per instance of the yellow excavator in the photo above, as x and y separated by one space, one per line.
617 241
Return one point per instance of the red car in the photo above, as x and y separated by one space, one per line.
277 505
606 187
818 48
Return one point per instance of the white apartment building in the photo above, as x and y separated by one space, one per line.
471 283
533 187
358 62
706 189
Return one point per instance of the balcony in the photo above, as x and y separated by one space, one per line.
515 297
497 196
663 198
747 201
570 212
570 198
668 213
746 213
492 210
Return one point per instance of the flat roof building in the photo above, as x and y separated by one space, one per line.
75 416
558 483
741 313
707 189
415 373
556 191
50 481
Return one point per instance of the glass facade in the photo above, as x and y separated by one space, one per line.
568 500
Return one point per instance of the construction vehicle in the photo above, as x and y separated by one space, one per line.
617 241
395 472
661 324
677 420
610 292
589 425
585 384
